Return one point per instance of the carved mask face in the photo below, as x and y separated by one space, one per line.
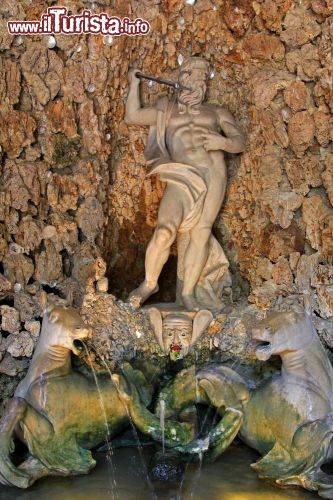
177 341
177 332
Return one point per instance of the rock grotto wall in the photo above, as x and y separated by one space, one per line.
74 201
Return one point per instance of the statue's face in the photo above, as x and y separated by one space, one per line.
194 78
176 342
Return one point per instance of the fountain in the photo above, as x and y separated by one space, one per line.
166 222
64 408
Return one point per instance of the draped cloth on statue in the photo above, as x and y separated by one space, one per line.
194 185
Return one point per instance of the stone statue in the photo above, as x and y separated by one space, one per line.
177 332
185 148
58 413
288 419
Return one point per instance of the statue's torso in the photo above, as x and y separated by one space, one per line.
184 138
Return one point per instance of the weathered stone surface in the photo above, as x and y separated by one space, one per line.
18 133
272 12
327 238
33 327
21 345
327 177
30 233
281 272
87 176
264 268
66 236
263 296
316 216
237 16
89 125
325 301
88 266
281 206
273 127
276 242
5 285
90 218
24 182
48 264
264 47
62 193
301 130
10 319
12 367
300 27
61 117
324 127
297 96
306 269
5 37
18 268
323 90
304 173
322 7
10 79
28 305
266 84
323 275
304 61
102 285
42 70
3 248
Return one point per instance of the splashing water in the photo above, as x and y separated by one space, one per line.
135 433
197 474
113 483
162 418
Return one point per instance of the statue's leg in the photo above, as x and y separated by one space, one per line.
197 251
170 216
34 468
9 474
300 464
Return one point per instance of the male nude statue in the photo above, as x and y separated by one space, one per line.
185 147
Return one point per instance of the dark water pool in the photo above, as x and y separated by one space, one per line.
229 478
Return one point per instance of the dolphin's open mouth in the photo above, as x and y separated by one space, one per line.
263 350
78 347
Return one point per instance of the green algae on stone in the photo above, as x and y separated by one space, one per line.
65 150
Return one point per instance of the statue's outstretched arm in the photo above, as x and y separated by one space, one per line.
234 142
134 113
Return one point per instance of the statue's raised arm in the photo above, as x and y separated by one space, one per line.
135 114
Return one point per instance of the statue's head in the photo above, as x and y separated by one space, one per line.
281 333
193 74
62 327
177 332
